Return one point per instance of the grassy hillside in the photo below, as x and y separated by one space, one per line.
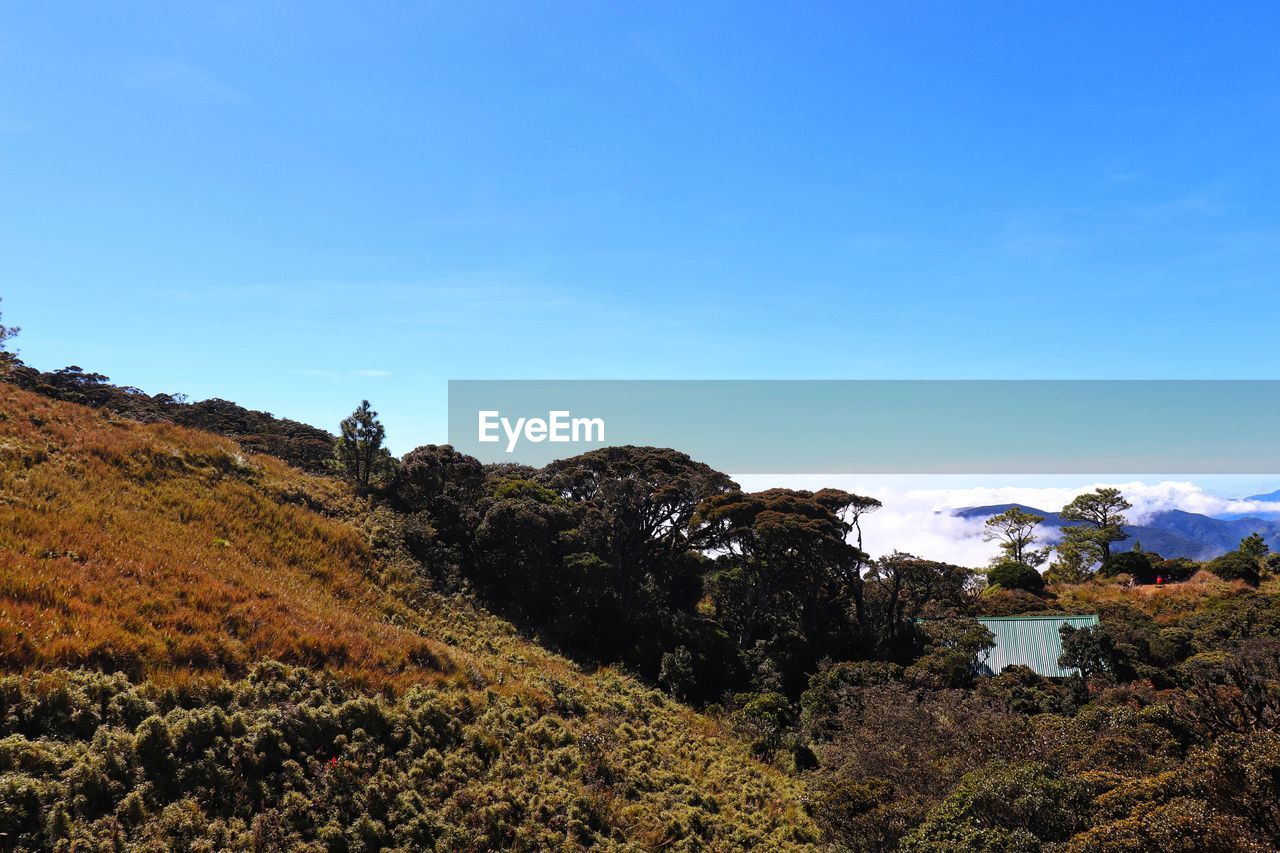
394 719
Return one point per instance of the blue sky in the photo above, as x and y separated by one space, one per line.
298 205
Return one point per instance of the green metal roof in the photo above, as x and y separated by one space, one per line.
1032 641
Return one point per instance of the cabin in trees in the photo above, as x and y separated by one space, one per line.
1033 641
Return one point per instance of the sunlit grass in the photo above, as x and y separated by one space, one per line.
151 548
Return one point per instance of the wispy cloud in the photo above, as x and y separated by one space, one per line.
179 80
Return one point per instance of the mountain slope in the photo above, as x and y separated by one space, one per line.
144 549
398 717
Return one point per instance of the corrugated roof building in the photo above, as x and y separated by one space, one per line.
1032 641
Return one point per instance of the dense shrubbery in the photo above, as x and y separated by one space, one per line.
1174 746
1134 768
287 760
1236 566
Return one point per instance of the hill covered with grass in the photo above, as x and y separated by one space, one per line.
206 648
203 648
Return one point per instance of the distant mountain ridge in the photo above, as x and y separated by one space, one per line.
1170 533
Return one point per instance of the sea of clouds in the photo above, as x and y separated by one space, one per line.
917 516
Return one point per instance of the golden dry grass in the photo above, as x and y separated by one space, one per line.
146 548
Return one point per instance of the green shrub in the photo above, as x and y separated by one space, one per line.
1236 566
1010 807
289 759
1011 575
1139 564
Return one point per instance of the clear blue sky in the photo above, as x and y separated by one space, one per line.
298 205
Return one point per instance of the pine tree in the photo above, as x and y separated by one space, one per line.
1014 529
1100 521
359 453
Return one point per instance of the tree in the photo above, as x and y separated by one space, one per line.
763 717
642 500
952 649
1088 650
528 563
1007 806
787 578
850 507
439 480
901 587
1011 574
637 507
7 333
1254 546
1068 566
1014 529
675 674
359 453
1099 517
440 490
